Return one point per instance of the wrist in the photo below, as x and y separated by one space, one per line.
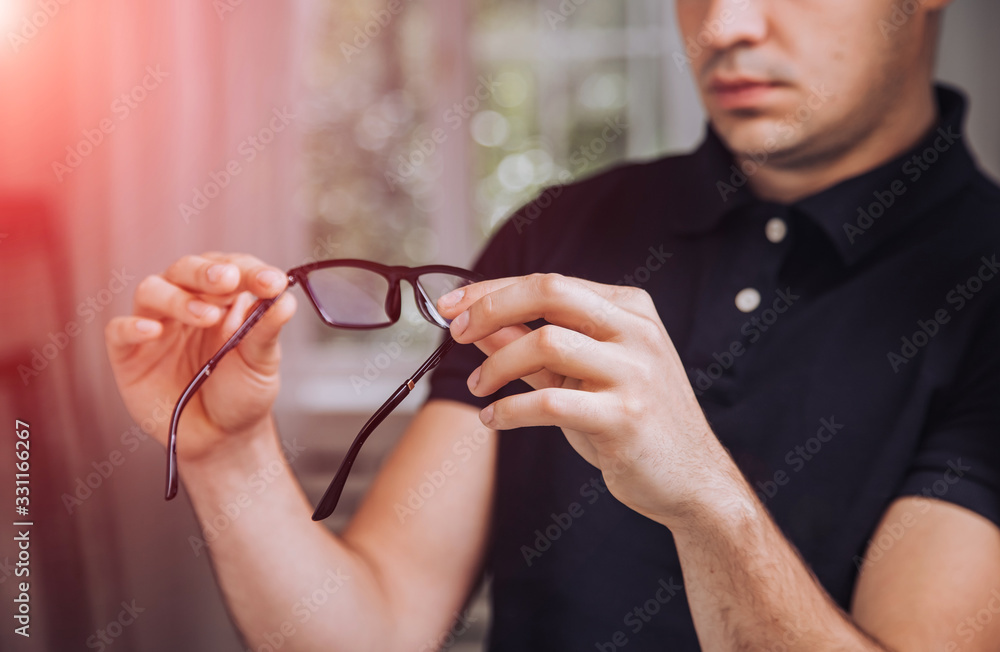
722 501
228 465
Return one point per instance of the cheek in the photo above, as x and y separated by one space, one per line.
843 48
853 70
690 21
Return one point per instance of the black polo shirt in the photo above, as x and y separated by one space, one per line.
845 348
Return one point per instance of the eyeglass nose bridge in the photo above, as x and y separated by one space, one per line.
393 300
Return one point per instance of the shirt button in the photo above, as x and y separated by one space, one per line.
747 299
775 229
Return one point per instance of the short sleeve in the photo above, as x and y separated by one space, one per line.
958 459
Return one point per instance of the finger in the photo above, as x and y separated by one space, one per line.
256 276
237 313
219 273
260 346
459 299
557 351
452 304
632 299
122 334
555 298
456 302
201 274
157 298
504 337
551 406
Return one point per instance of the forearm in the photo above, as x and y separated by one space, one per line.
747 587
284 577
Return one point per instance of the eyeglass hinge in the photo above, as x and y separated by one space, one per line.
409 384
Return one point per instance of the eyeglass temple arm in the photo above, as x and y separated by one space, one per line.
199 380
328 503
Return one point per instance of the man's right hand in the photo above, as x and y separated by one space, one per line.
181 318
400 580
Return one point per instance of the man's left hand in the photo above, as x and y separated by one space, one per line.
605 371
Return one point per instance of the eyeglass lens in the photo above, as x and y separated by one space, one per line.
350 295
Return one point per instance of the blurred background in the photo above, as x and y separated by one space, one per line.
132 133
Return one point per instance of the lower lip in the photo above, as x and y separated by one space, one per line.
743 97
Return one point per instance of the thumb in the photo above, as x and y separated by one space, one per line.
259 348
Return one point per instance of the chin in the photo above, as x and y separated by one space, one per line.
753 135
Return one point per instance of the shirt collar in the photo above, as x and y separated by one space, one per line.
857 214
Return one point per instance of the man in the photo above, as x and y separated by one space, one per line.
816 340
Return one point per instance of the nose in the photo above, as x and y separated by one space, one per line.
729 23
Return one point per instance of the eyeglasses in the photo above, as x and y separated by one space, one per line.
352 294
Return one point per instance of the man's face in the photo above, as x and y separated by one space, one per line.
802 79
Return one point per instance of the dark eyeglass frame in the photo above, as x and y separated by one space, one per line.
393 308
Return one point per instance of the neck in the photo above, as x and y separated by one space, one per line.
899 130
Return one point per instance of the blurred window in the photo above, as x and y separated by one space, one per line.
537 92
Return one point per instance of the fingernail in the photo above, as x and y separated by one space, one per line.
268 278
460 323
474 378
452 298
486 416
145 326
201 309
214 273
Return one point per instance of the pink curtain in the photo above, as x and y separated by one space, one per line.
131 133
